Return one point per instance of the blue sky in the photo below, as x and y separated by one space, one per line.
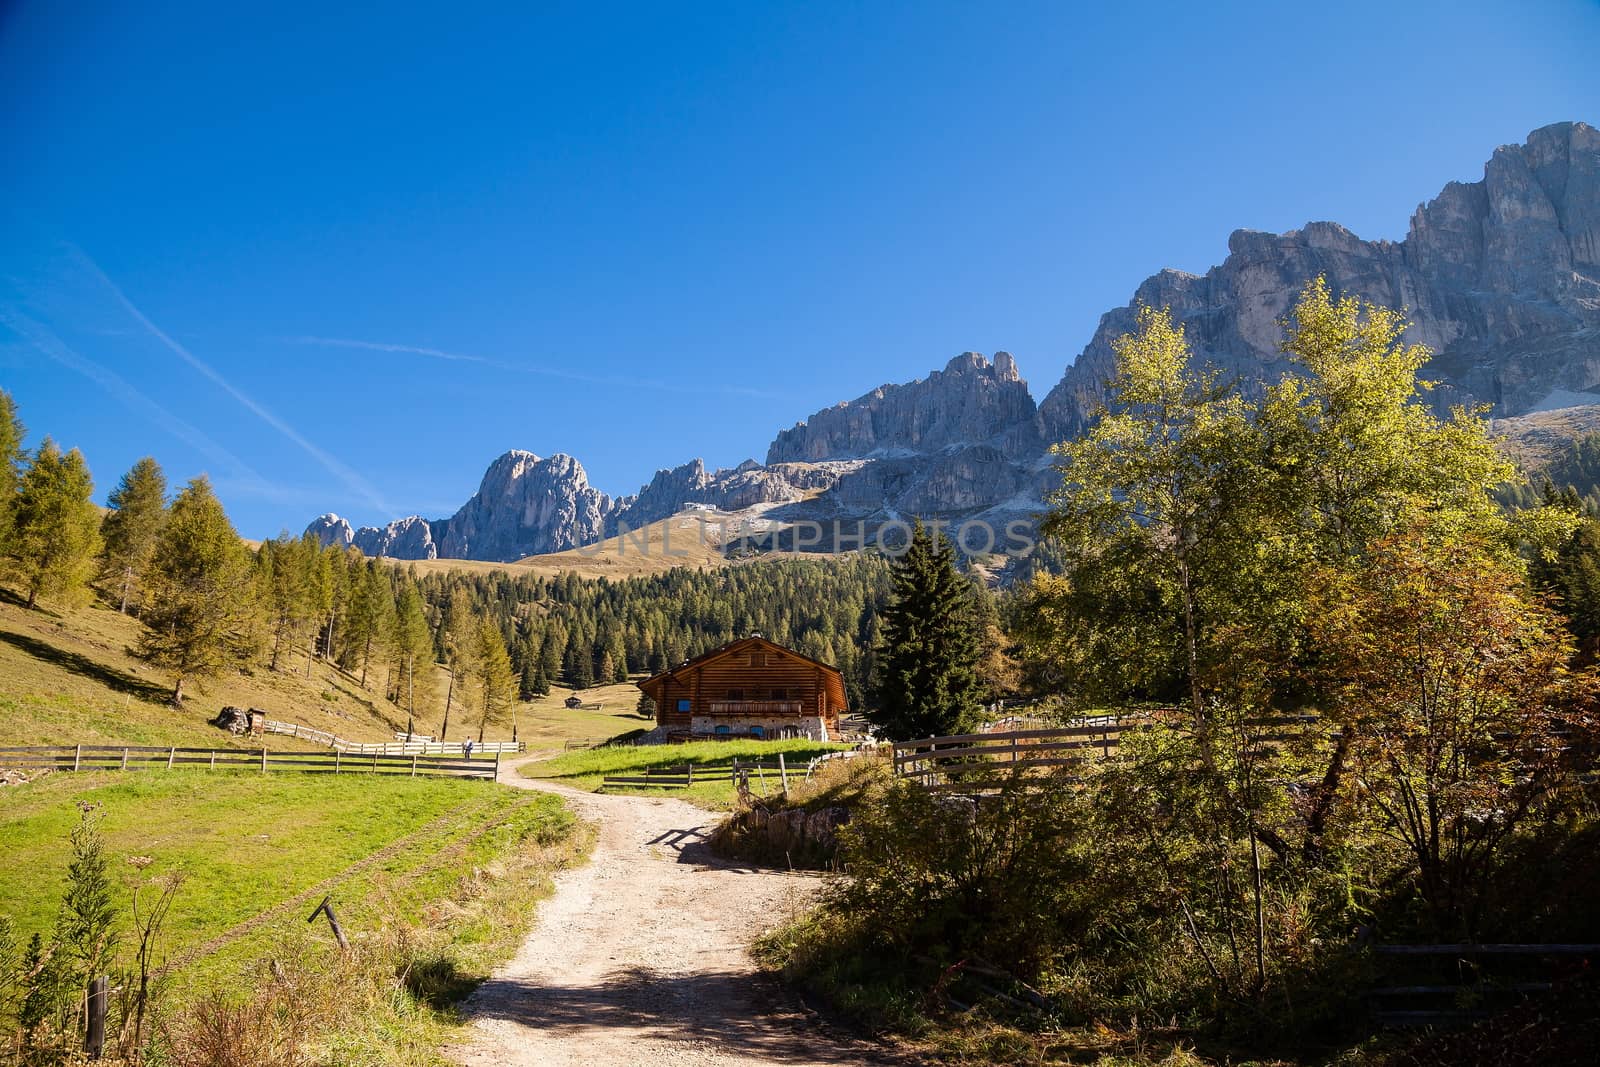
640 234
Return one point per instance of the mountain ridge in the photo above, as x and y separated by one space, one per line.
1500 277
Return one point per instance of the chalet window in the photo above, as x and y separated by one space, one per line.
758 659
683 704
736 694
780 694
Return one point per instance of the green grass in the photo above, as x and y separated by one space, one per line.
585 769
247 842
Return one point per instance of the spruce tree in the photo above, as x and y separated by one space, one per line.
198 594
139 504
926 673
577 664
55 527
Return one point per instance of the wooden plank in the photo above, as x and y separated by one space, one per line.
996 750
1019 735
1486 950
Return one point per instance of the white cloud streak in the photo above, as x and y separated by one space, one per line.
352 480
523 368
44 340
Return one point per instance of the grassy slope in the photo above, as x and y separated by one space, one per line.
586 769
688 539
67 677
546 723
247 843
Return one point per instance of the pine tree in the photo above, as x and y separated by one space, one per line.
55 527
550 649
577 665
198 601
140 507
86 925
495 680
926 680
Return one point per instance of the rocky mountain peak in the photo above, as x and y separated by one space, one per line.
330 529
1500 277
527 505
971 401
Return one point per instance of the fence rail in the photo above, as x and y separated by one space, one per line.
1456 991
145 757
981 762
418 746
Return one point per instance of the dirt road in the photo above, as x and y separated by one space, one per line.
639 957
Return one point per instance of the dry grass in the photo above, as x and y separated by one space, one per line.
688 539
67 677
546 723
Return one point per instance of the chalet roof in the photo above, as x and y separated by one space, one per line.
733 647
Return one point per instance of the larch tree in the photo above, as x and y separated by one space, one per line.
55 527
926 679
139 507
198 593
11 459
497 684
282 577
414 645
461 653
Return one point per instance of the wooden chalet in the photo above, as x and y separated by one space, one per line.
749 688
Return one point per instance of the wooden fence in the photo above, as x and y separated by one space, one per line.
986 761
416 747
144 757
1458 985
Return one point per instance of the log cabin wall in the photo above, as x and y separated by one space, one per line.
752 683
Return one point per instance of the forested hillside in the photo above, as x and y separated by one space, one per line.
209 605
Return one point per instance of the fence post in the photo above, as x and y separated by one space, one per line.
326 908
413 764
497 764
94 1043
783 772
77 756
124 759
691 772
263 759
337 754
172 754
213 759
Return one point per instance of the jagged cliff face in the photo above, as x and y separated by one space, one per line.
1500 277
527 505
971 401
408 538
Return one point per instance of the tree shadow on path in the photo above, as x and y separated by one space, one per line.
744 1017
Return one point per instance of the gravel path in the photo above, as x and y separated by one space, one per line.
639 957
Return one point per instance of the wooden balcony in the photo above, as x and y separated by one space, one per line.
758 707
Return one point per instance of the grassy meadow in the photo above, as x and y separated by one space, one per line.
246 844
585 769
547 724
